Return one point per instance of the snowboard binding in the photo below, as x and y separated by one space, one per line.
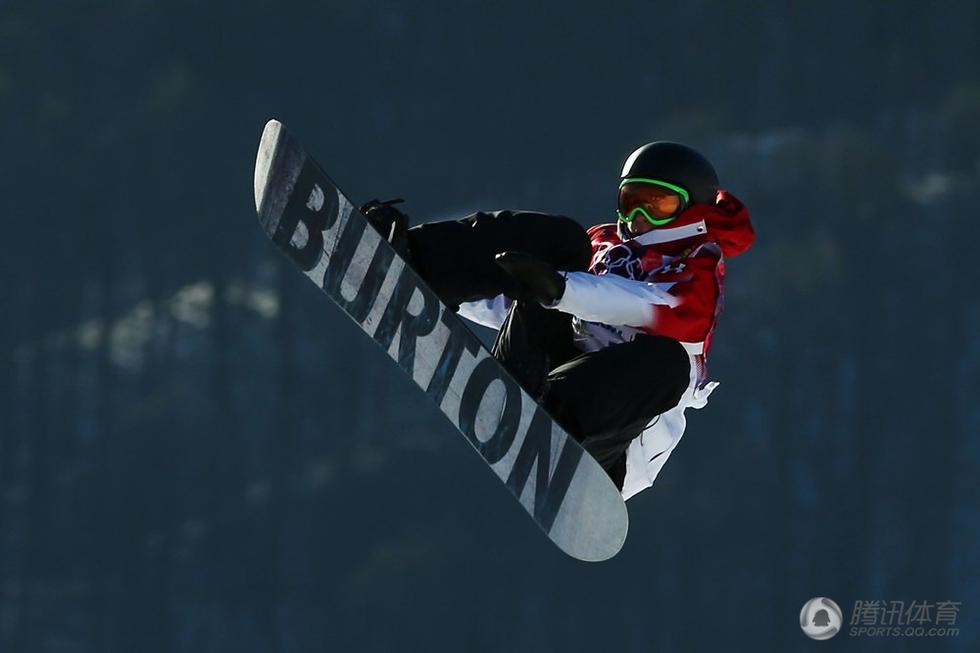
391 223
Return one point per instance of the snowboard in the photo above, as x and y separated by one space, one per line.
558 484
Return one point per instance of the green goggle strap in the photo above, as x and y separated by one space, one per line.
657 222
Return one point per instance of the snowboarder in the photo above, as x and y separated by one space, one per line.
609 328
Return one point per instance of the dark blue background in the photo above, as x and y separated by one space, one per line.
199 453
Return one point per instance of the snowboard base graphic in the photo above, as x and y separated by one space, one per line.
559 485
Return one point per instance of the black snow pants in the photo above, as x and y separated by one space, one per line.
604 399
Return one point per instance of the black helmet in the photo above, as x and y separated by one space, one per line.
676 164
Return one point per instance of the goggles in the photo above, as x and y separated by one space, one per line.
657 201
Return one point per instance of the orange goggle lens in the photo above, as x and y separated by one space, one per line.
658 202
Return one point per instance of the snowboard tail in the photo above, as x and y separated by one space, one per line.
561 487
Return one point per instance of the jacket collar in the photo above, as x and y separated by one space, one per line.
657 236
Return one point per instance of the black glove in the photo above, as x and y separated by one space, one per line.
536 280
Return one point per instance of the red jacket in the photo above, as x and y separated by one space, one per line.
668 281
